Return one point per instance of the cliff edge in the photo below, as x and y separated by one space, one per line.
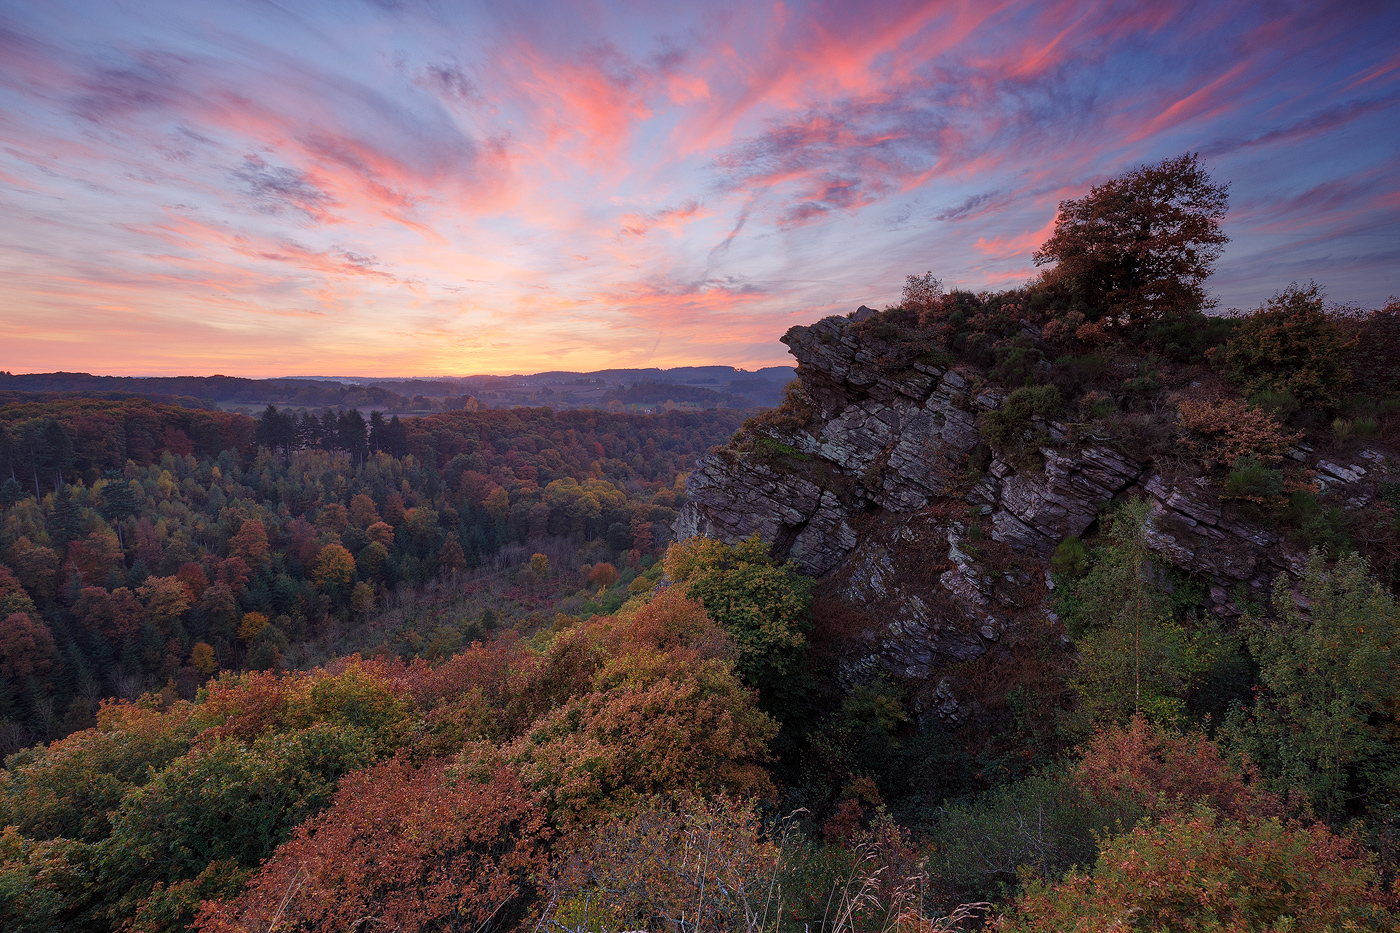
877 477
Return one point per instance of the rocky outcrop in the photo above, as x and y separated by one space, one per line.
874 491
806 523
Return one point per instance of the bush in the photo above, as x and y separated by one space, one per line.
1145 768
1319 527
1281 405
1291 345
1186 341
1374 357
1039 826
1071 558
1004 427
1254 482
704 860
1225 430
764 606
1203 872
411 848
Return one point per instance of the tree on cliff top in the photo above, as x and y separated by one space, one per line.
1137 249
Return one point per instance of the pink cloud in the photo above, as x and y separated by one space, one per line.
1007 247
669 218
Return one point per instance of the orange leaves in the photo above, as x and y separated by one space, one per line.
412 848
253 623
362 511
381 533
1203 872
250 544
1139 246
359 694
116 614
26 647
1217 856
335 566
672 622
1224 430
706 860
602 574
650 727
1161 771
166 600
95 556
203 659
13 597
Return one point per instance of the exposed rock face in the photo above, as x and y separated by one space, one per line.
806 522
875 494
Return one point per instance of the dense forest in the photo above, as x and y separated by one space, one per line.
146 545
323 672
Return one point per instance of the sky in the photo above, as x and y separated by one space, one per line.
439 188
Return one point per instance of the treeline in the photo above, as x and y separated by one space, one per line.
211 552
46 444
230 389
657 393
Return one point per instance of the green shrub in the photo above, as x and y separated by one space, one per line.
1071 558
1004 428
1253 481
1318 527
1186 341
1016 365
1281 404
1038 828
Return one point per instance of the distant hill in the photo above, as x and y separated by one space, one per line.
658 393
697 386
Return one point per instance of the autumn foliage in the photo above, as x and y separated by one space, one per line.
1202 871
312 673
1152 769
403 848
1138 248
1224 430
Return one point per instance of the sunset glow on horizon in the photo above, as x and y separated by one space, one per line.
402 188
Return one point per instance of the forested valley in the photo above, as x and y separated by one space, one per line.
149 546
329 673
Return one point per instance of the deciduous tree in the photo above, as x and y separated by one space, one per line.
1138 248
1328 720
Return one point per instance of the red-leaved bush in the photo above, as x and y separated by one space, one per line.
1223 430
402 848
1149 767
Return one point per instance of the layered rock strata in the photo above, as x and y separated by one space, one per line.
874 492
